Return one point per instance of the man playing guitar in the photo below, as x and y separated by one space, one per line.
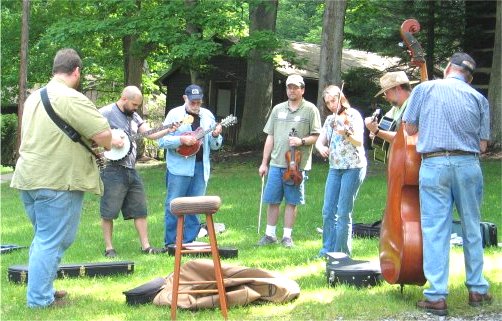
396 90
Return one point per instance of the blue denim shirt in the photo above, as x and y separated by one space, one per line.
181 165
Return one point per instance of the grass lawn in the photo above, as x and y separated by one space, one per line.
6 169
238 184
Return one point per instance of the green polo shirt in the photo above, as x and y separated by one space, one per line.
305 120
48 158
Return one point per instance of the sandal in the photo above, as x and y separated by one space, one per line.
153 250
110 253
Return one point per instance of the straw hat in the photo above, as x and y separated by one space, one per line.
391 80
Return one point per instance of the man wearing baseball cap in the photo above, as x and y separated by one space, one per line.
293 124
396 90
453 123
188 175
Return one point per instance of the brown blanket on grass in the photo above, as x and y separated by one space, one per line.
242 284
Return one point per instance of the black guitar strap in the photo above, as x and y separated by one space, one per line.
66 128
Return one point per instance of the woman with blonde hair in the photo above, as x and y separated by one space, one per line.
341 141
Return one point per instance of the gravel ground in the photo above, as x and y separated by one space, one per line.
488 316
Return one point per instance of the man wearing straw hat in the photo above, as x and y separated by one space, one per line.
396 90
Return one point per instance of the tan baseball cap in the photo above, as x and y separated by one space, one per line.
296 80
391 80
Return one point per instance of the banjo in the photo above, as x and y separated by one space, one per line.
117 154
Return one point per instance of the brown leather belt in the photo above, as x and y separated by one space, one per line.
448 153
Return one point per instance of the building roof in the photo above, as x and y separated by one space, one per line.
310 53
351 58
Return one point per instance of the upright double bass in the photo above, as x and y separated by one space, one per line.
401 259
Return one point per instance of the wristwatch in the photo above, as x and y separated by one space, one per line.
303 141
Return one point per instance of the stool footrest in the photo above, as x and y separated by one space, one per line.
196 282
196 251
198 291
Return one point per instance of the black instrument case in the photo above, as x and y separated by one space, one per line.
341 269
19 273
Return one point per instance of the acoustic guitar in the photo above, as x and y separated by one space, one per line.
199 133
381 146
117 154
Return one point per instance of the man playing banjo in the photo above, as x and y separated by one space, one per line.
124 189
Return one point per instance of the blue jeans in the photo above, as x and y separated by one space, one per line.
181 186
340 194
55 216
443 182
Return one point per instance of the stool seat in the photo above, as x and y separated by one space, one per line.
195 205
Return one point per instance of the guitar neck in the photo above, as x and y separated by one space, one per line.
205 132
151 131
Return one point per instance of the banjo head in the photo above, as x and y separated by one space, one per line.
116 154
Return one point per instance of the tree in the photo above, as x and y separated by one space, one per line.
330 68
258 100
494 94
23 52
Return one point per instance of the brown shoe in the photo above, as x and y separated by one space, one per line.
59 294
477 299
58 303
435 307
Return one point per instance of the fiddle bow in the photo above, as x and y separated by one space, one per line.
401 255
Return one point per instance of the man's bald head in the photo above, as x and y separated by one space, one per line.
131 92
130 100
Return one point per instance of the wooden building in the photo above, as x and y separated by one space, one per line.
226 81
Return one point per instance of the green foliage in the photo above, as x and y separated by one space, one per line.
9 131
300 20
96 30
361 86
265 41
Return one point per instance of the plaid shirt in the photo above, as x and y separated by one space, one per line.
449 114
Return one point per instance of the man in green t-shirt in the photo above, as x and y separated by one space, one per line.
396 90
53 172
293 126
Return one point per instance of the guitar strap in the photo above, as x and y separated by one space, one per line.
66 128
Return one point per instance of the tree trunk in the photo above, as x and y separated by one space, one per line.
259 82
330 67
134 59
23 71
133 63
193 29
494 87
133 71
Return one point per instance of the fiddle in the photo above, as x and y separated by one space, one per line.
341 123
293 175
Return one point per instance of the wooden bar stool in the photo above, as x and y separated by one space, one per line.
207 205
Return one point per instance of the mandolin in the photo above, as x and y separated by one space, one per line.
199 133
